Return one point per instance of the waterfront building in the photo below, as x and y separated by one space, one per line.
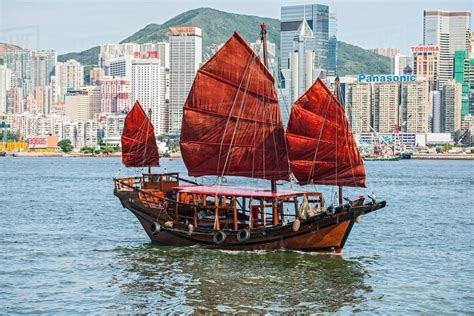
387 52
318 19
451 97
113 126
83 104
415 105
386 100
96 76
43 63
399 62
358 104
449 31
148 87
185 59
471 102
5 86
115 95
435 97
426 64
69 76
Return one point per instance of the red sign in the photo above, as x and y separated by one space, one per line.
424 49
42 142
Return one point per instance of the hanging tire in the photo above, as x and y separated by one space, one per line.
219 237
155 228
243 235
296 225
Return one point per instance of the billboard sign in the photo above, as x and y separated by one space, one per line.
39 142
386 78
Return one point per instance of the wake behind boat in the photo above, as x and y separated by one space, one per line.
232 127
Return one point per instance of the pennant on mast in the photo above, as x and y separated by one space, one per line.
139 147
321 146
231 120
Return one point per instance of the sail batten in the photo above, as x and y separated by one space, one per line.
321 147
139 147
231 119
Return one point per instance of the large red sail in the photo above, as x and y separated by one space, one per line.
138 140
231 121
321 147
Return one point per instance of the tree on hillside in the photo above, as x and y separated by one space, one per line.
65 145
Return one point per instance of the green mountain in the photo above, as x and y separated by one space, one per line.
217 26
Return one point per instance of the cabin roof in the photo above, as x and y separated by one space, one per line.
243 191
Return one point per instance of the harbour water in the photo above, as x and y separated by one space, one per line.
67 246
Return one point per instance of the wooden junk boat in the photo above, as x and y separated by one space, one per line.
232 127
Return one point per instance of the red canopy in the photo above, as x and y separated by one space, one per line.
321 147
231 120
138 140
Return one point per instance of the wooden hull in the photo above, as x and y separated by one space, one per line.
322 233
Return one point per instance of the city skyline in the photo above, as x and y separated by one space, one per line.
34 24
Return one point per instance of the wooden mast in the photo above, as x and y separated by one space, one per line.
336 87
149 117
263 39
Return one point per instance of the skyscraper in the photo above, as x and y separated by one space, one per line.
185 58
386 98
43 67
358 103
317 17
415 105
69 75
426 64
5 85
20 63
450 31
332 45
451 107
148 87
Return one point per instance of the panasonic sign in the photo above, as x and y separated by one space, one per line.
386 78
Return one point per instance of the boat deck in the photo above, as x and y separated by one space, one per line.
243 191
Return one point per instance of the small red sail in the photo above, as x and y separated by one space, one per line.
321 146
138 140
231 121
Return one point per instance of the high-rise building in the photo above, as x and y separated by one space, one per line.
69 75
43 67
20 63
358 104
451 96
318 20
77 105
332 44
386 101
163 49
449 30
435 98
301 66
115 95
5 85
185 58
415 105
148 87
426 64
464 74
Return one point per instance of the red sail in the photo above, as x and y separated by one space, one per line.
231 121
321 147
138 140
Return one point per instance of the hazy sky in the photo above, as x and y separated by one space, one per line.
73 25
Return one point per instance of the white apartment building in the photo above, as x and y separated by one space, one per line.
415 106
185 59
386 101
69 76
358 103
115 95
5 85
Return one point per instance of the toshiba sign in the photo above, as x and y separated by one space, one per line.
425 49
42 142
